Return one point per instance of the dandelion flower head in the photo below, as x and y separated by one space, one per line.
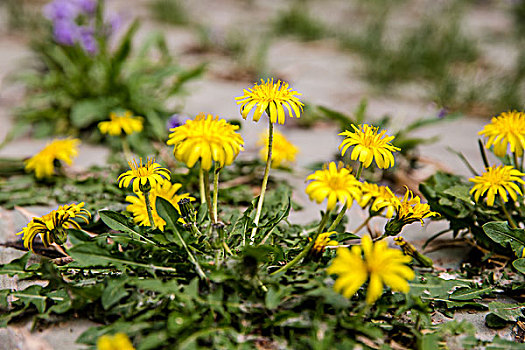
143 176
369 144
43 163
506 129
208 139
272 98
51 226
166 190
322 241
334 183
119 341
379 198
283 151
410 208
119 124
374 262
497 180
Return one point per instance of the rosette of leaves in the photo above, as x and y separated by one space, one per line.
72 89
449 195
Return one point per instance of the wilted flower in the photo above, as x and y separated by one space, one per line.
322 241
143 177
119 124
373 262
498 180
270 97
378 197
208 139
335 184
51 227
283 151
119 341
369 144
164 189
43 163
408 210
506 129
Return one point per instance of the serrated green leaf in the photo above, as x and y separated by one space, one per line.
519 264
508 312
167 212
113 293
500 232
469 293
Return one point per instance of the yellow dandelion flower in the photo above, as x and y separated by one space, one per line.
369 144
506 129
207 138
51 227
119 341
335 184
270 97
43 163
166 190
283 151
118 124
379 198
497 180
143 177
409 209
373 262
322 241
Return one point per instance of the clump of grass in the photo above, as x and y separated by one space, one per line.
170 11
298 22
518 11
426 52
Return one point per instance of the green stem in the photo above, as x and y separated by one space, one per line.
216 171
359 171
200 272
125 147
264 182
338 218
208 196
201 185
363 224
483 154
516 163
512 223
306 249
148 208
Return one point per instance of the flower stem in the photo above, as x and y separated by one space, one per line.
516 163
338 218
264 182
363 224
512 223
216 171
359 171
148 208
306 249
200 272
483 154
125 147
201 185
208 196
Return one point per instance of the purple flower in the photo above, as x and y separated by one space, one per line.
60 10
175 121
87 39
65 32
442 113
87 6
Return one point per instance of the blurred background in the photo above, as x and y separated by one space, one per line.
401 59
